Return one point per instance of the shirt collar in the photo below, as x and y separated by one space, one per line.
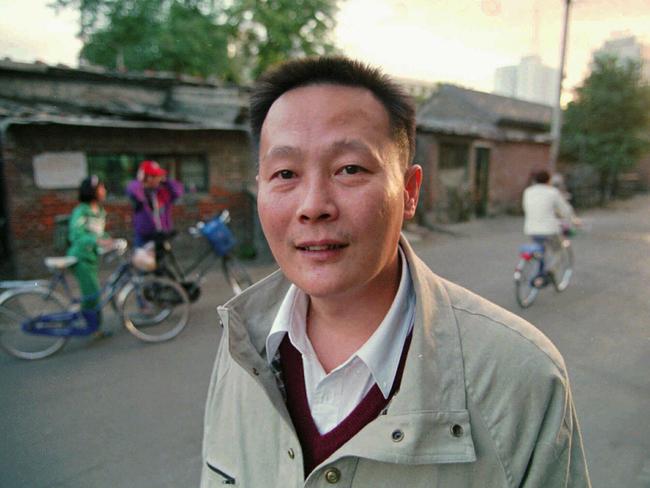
380 353
292 313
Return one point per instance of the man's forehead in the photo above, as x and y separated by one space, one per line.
335 146
319 115
316 107
321 95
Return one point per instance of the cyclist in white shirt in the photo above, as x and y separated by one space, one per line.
545 210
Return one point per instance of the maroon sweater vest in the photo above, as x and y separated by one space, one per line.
316 447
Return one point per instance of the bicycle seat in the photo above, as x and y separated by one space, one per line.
60 262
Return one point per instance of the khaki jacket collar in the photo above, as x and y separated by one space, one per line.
427 421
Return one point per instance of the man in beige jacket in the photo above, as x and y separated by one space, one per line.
355 365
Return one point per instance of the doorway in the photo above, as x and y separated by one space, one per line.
481 181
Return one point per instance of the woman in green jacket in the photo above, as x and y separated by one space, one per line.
87 235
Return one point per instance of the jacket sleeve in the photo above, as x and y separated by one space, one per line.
175 189
105 235
79 234
562 207
135 192
558 459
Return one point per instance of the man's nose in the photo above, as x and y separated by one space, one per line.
317 203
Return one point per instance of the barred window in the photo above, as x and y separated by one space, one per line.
453 164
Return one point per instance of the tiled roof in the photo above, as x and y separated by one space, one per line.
41 93
460 111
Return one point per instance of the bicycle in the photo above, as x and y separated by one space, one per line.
36 321
541 263
221 243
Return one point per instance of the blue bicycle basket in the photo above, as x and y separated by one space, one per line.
219 235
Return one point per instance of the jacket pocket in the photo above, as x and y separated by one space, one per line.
227 479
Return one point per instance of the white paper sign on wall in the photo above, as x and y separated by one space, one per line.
59 170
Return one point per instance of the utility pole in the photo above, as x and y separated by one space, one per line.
556 124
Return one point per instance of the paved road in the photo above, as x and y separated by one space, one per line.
120 413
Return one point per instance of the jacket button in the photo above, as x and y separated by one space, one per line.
291 453
332 475
397 435
256 372
457 430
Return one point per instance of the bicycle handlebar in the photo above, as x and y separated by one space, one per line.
195 230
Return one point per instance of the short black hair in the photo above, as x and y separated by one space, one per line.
542 176
335 70
88 189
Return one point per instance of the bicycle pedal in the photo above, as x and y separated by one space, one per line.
102 334
193 290
540 282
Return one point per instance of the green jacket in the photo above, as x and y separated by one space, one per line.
484 402
84 229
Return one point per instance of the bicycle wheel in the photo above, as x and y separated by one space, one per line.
155 308
525 273
19 305
563 269
236 274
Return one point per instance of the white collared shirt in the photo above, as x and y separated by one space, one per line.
543 204
332 397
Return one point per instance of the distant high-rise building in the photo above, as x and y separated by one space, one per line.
505 81
627 47
529 80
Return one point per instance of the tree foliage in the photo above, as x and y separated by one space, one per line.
607 124
233 40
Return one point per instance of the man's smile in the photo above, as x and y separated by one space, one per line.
320 246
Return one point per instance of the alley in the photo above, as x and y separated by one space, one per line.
121 413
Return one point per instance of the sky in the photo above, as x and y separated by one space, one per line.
459 41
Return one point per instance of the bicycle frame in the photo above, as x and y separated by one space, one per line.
51 324
535 250
547 260
200 266
220 240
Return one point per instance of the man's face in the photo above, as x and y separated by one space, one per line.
332 189
151 181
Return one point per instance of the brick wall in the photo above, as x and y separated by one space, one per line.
31 210
427 157
511 165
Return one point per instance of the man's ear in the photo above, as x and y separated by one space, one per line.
412 182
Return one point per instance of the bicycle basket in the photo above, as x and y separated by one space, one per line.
219 236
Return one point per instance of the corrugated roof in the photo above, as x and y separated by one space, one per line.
38 93
91 72
460 111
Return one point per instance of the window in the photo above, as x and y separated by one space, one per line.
116 170
190 169
453 164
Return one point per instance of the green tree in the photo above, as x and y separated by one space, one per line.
263 33
607 124
232 40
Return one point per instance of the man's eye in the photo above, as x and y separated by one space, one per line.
285 174
351 169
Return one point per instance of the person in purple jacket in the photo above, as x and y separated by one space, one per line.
152 195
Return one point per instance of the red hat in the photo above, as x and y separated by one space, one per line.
151 168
